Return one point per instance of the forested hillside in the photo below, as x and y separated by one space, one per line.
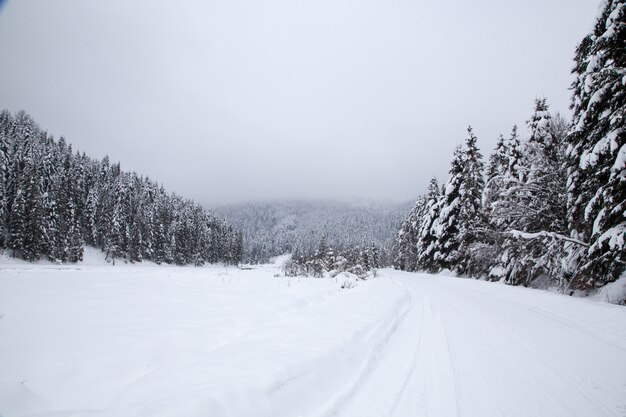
53 201
549 209
274 228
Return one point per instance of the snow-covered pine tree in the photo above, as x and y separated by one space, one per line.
461 209
20 130
147 215
51 200
406 242
472 248
544 178
60 210
445 230
70 185
498 165
426 238
135 249
117 236
27 228
503 176
319 261
103 216
238 247
530 210
49 164
596 185
4 168
373 255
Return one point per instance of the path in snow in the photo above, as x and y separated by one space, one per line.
192 342
470 348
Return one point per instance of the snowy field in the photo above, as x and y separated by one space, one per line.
131 341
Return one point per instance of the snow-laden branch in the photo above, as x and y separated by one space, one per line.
529 236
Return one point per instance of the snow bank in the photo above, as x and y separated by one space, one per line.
614 292
279 261
92 257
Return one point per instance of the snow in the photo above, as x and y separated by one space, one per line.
620 163
615 237
497 272
614 292
612 21
607 143
525 235
280 260
141 340
450 187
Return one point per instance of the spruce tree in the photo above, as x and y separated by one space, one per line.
496 170
4 168
406 241
52 201
461 209
426 237
503 179
596 154
27 229
531 210
373 256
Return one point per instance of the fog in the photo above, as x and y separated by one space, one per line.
227 101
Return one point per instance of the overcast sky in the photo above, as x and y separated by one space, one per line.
237 100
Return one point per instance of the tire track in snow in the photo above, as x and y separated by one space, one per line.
395 366
546 375
376 353
487 354
563 373
338 343
404 389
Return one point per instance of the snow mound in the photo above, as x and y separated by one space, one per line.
348 280
614 293
279 261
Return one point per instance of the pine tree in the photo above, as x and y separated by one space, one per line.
426 237
461 209
117 235
319 261
530 211
498 160
52 201
4 168
406 242
71 181
373 256
502 180
474 224
27 231
238 248
544 180
597 150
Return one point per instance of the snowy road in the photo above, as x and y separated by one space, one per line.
469 348
143 341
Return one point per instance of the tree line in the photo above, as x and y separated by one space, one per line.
54 201
362 260
277 227
548 209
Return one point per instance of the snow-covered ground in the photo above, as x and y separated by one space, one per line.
164 341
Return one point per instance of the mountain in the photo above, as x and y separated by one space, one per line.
275 227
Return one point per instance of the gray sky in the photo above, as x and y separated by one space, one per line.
226 101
